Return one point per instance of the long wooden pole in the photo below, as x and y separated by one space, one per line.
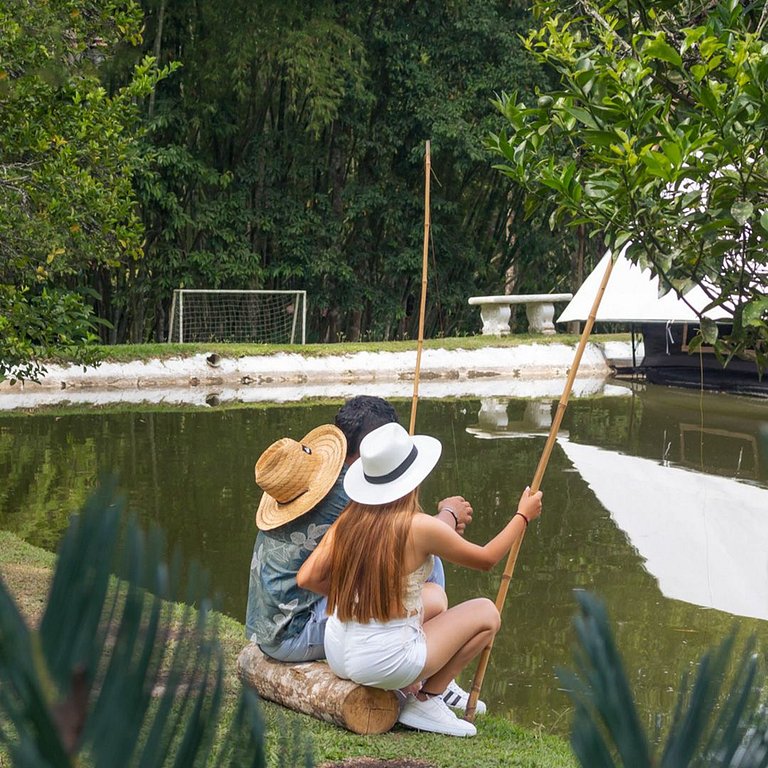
423 306
482 665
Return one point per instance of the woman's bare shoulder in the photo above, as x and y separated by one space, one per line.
424 522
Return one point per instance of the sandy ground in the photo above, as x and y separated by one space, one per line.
534 370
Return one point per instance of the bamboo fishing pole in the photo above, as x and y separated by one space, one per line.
423 306
482 664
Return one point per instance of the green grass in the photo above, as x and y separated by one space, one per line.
498 743
128 352
15 551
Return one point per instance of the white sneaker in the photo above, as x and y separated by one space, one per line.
433 715
455 696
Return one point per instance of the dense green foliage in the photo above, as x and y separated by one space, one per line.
656 138
68 151
719 722
113 676
289 153
284 148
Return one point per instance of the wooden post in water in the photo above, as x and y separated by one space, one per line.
506 577
423 305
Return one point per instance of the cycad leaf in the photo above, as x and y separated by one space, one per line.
753 751
71 633
117 676
693 712
23 697
244 743
193 748
587 740
714 729
608 701
711 728
126 683
738 712
174 702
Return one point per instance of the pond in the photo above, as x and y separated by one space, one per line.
655 499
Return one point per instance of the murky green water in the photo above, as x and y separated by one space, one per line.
640 506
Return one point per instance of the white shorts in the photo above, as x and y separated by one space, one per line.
388 655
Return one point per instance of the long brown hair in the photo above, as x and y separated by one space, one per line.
366 561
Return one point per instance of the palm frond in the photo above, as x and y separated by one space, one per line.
602 694
712 724
117 674
717 722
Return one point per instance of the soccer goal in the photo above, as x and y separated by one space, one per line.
262 317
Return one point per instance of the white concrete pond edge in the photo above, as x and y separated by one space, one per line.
533 370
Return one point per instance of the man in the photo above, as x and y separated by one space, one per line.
288 622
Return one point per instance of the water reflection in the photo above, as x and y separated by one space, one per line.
493 419
703 538
192 471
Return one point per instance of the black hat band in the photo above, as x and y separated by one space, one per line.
398 471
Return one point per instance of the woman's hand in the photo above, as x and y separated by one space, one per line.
530 504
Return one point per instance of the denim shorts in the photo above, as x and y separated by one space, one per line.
389 654
308 644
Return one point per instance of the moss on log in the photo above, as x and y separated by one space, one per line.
311 688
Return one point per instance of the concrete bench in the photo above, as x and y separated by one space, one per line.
539 309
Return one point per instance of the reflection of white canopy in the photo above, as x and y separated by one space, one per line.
632 296
703 537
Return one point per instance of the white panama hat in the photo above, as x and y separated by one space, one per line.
391 465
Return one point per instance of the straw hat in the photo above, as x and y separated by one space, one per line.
296 475
391 464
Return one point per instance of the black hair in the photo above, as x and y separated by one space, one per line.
361 415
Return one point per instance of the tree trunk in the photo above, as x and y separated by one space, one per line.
355 324
311 688
157 50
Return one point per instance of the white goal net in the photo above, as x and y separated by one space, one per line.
262 317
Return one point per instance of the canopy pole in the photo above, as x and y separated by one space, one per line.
543 461
423 306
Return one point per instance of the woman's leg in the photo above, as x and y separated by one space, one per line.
434 600
454 638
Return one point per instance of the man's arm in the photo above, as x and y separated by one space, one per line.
455 512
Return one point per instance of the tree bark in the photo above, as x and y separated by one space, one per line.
311 688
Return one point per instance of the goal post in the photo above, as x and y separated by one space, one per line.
221 316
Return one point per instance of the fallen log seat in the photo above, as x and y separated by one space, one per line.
311 688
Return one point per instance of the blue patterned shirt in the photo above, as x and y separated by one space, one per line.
277 607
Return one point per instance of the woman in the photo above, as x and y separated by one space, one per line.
373 563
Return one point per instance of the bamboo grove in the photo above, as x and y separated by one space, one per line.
266 145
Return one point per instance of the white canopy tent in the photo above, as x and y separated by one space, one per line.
632 296
703 537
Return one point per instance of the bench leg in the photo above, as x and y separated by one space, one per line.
495 319
540 317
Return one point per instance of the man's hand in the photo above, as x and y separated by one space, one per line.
456 512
